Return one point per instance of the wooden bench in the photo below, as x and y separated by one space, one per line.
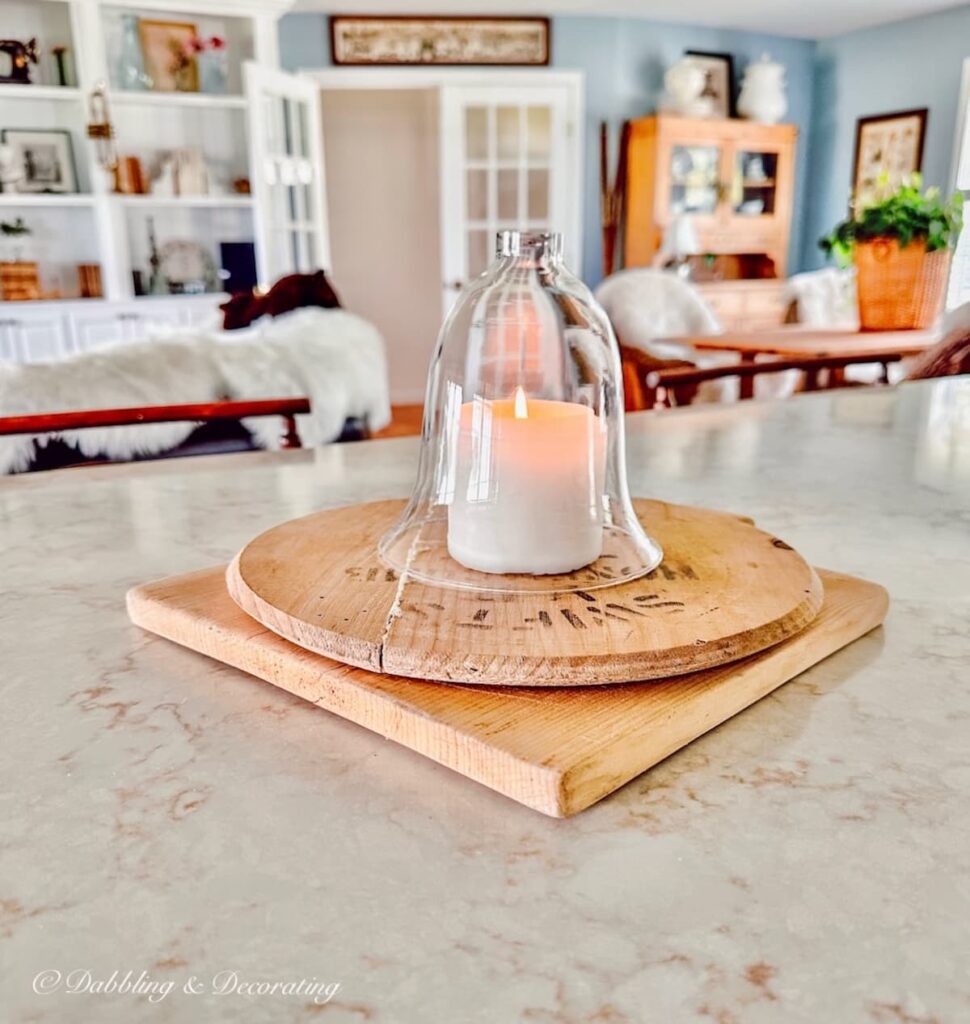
202 413
52 422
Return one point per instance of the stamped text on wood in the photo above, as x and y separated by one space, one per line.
725 590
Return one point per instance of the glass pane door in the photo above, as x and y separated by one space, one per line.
754 183
507 158
506 164
695 180
288 173
287 166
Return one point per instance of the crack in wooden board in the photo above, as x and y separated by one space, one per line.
724 590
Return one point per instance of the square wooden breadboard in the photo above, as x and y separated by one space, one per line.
555 750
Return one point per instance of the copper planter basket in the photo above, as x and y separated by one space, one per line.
899 288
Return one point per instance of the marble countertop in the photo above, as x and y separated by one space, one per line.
240 852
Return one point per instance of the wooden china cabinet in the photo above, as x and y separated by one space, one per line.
734 179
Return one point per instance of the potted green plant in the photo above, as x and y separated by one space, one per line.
900 244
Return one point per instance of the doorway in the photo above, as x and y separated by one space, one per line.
381 159
422 168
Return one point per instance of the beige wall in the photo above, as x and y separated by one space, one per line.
382 191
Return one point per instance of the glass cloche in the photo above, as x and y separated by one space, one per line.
521 483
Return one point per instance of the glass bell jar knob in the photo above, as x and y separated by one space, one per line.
521 483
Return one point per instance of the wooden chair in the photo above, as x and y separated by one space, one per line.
637 368
945 359
661 388
666 388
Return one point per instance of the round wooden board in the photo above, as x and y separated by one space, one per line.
724 590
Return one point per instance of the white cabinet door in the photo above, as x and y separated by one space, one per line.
9 341
45 338
511 158
34 337
86 327
141 325
109 326
205 314
287 171
95 329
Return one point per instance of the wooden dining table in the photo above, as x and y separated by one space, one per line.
797 341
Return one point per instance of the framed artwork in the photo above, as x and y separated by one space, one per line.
887 144
378 39
45 158
168 54
719 86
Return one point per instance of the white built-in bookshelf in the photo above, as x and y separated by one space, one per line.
95 224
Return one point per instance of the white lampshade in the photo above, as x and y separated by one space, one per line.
680 238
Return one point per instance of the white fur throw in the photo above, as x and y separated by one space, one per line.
333 357
645 304
825 298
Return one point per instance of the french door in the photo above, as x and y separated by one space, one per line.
510 158
510 148
286 161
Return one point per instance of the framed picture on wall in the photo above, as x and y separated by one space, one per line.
168 51
719 85
888 147
380 39
44 157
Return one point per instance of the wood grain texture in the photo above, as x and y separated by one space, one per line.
747 305
724 590
204 412
796 340
555 750
312 582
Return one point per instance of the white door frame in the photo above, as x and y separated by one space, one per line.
960 159
436 77
958 285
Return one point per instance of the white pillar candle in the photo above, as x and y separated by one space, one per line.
528 487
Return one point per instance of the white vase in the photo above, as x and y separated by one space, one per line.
762 96
213 71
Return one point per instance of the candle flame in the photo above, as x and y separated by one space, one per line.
521 407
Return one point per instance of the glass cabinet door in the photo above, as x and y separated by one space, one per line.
754 183
695 179
286 145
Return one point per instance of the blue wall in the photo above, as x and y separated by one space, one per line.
906 64
304 41
624 60
831 83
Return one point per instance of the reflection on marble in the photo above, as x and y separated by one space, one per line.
807 861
